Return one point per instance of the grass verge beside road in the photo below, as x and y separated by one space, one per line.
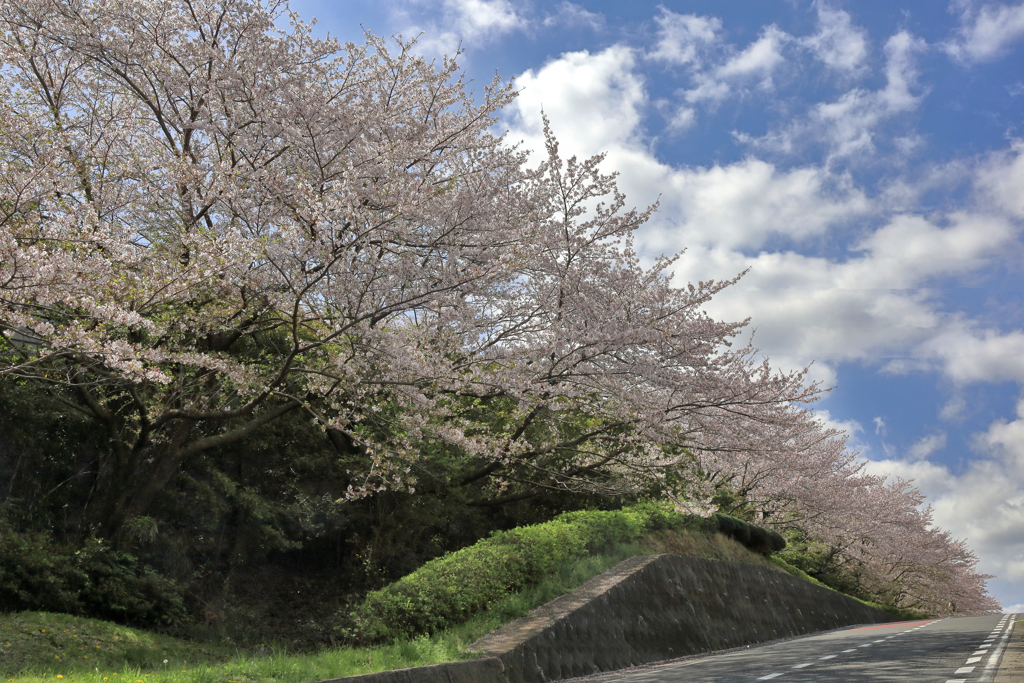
40 647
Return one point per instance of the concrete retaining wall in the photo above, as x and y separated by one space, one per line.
657 607
646 609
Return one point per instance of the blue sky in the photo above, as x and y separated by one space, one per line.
864 159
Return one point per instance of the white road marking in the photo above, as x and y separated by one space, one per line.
829 657
865 645
964 670
993 659
957 680
881 640
769 677
852 649
980 652
973 660
803 666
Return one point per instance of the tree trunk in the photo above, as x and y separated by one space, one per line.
138 480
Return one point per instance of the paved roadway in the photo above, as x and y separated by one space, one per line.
959 649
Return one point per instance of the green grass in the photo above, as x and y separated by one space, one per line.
61 644
53 647
37 647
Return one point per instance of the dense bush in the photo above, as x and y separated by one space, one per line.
37 573
449 589
758 539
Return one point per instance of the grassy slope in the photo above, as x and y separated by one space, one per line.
46 647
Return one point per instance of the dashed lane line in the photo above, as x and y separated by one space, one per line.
768 677
993 660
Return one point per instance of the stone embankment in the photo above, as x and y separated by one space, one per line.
646 609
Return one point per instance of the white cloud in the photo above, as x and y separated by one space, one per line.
985 34
873 304
925 446
913 248
1001 180
848 126
456 23
571 14
477 19
593 100
967 355
837 43
756 62
682 38
682 119
743 204
759 58
984 504
954 408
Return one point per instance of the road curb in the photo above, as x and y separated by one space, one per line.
1011 666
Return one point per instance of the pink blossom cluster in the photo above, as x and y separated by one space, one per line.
207 222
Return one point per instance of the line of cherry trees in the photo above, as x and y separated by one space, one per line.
208 223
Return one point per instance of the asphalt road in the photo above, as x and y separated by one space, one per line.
966 649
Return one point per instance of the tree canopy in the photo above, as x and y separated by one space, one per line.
208 223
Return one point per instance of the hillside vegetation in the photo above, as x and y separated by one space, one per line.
563 554
284 320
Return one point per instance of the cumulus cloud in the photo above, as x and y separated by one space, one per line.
1001 180
985 33
741 205
925 446
457 23
873 304
477 19
838 44
683 38
967 355
848 125
571 14
913 248
593 100
759 58
985 503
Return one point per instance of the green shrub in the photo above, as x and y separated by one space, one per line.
758 539
37 573
452 588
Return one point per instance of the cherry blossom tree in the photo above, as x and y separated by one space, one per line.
876 528
208 223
